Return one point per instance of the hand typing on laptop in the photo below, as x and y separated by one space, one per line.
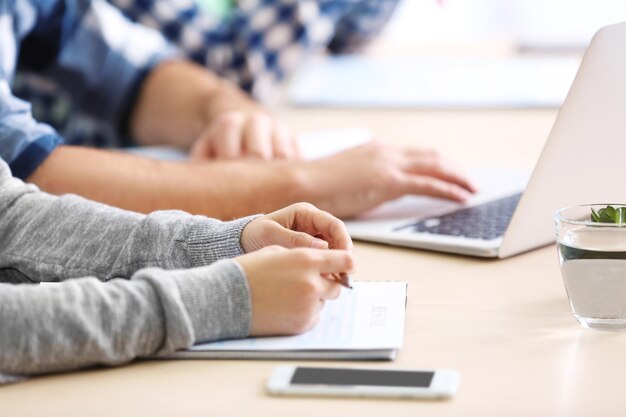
361 178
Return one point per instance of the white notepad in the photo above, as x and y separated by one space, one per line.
365 323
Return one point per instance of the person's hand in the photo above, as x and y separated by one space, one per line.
361 178
299 225
288 287
234 135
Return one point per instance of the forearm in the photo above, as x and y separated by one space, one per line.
45 237
223 189
178 99
84 322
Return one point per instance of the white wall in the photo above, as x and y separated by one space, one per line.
549 23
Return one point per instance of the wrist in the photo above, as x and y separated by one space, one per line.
230 189
310 186
203 248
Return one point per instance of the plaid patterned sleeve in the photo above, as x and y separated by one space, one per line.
99 57
361 24
261 40
24 143
256 45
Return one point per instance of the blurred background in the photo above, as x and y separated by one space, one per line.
543 24
462 54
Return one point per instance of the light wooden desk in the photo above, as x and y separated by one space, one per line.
506 325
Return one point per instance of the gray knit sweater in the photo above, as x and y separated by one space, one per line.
122 285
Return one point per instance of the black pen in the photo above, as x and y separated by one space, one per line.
343 279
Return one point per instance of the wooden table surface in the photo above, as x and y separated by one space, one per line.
505 325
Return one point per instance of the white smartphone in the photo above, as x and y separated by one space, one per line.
353 382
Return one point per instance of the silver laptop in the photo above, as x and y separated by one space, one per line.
583 161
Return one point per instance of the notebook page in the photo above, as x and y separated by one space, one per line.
370 316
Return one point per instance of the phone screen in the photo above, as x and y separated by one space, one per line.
369 377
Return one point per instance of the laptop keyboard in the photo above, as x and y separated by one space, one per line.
487 221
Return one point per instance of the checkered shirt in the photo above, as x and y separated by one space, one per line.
86 48
256 46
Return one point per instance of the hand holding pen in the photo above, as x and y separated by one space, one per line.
343 279
289 287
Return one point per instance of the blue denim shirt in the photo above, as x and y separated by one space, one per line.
255 46
89 49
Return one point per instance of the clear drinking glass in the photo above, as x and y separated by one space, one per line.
593 266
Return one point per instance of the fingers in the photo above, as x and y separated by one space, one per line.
328 290
429 163
333 261
235 135
422 185
201 148
227 135
272 249
258 137
284 143
307 218
320 264
331 288
334 230
329 227
292 239
221 139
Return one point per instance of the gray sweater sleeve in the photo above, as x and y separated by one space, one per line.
49 238
83 321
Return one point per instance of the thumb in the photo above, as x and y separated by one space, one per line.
291 239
